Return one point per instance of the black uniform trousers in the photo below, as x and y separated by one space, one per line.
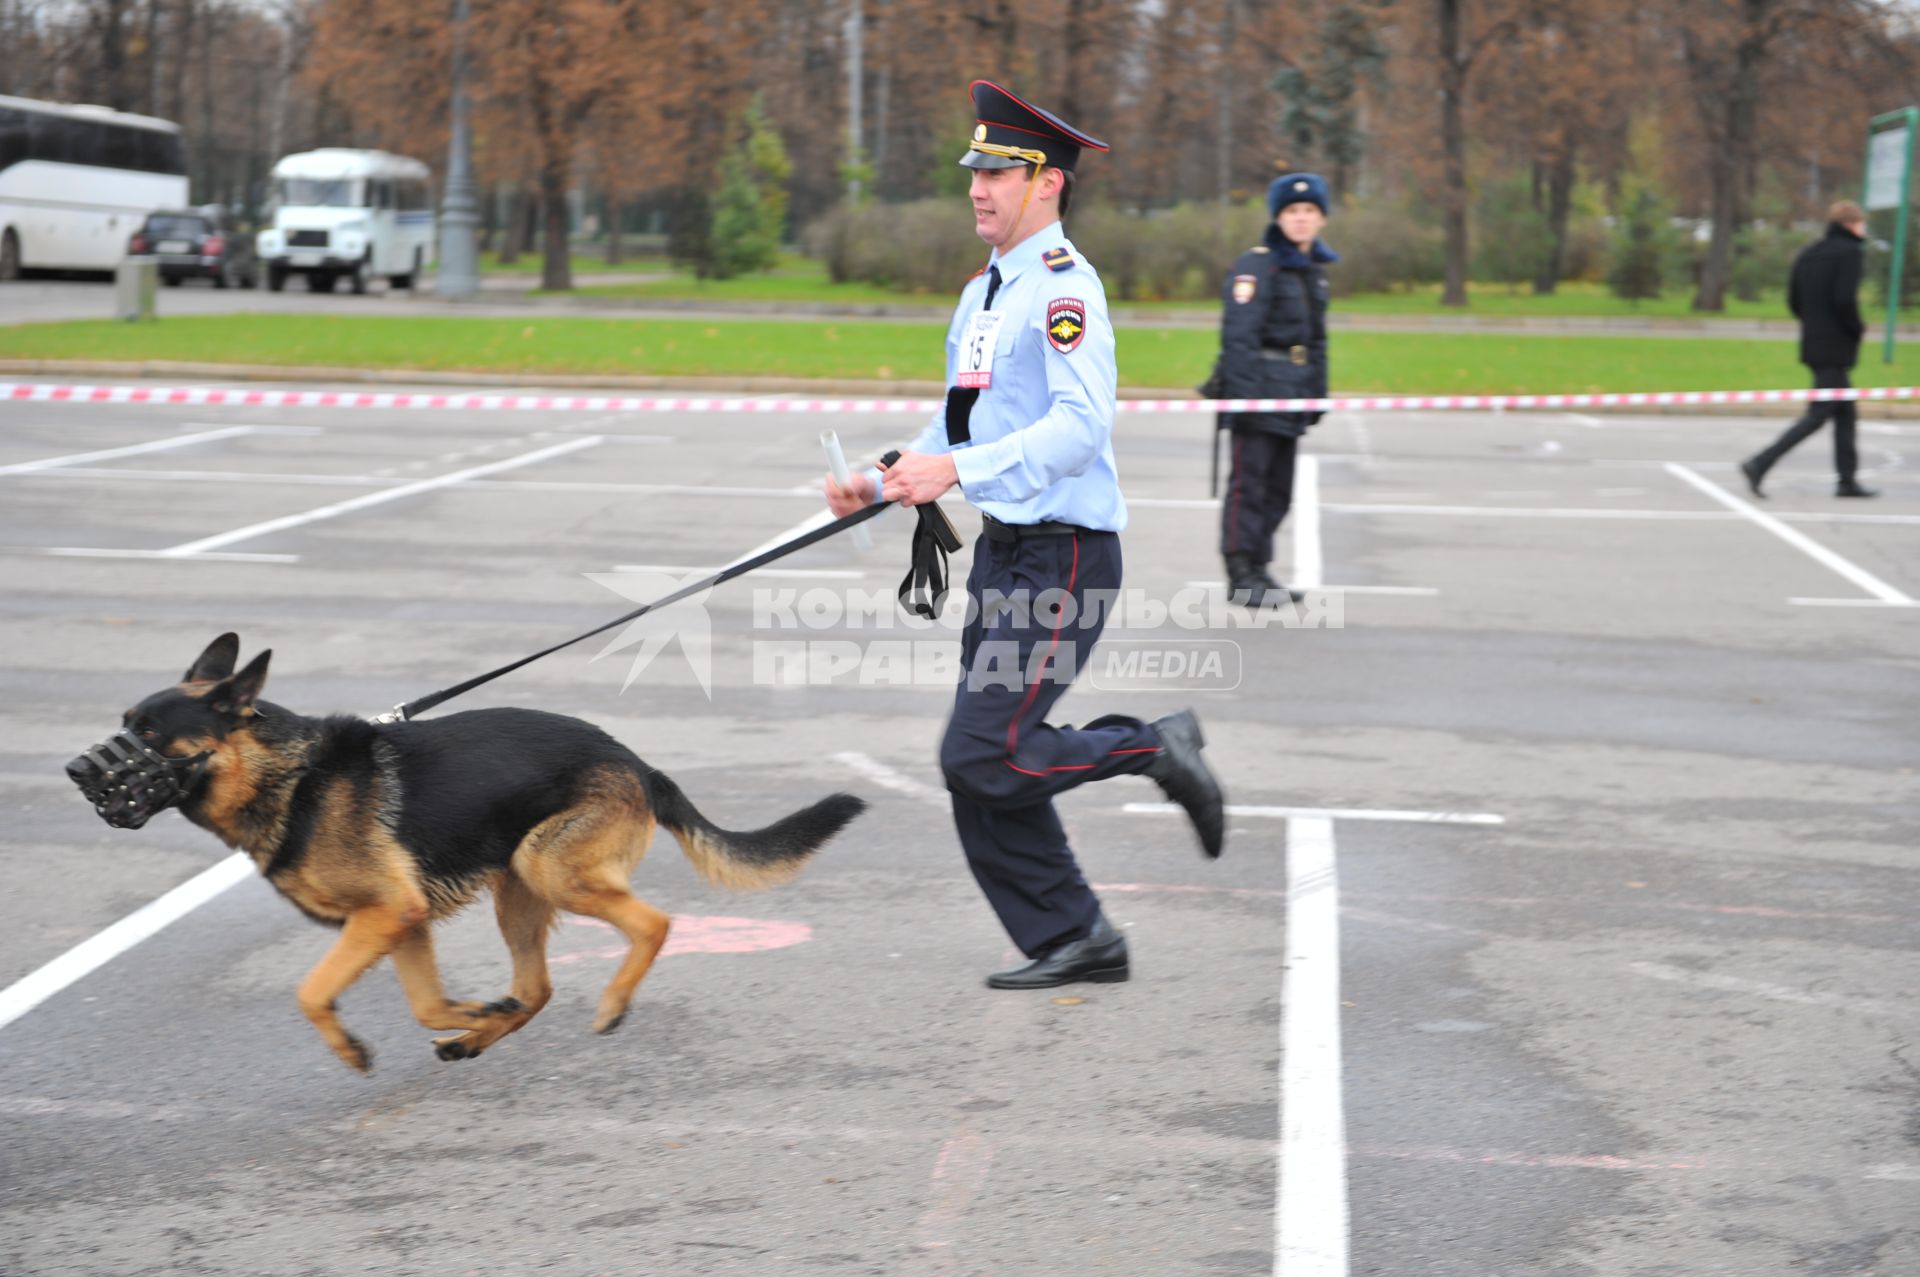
1002 761
1843 413
1259 492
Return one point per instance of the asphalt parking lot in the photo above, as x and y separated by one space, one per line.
1566 928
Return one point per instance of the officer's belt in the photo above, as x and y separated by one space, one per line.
1009 532
1296 354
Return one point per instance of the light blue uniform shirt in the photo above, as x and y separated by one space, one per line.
1042 434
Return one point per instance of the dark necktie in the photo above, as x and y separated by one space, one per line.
960 399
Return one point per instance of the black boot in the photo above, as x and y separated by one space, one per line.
1755 472
1183 774
1247 585
1852 488
1275 590
1100 957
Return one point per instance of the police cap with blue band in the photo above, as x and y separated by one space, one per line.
1009 131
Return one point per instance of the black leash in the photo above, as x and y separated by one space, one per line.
933 539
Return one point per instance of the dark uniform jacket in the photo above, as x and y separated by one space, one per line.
1824 294
1273 333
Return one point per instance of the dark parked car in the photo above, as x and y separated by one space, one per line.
196 245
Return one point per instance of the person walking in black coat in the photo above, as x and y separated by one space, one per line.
1824 293
1273 345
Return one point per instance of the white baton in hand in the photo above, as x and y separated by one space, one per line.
837 467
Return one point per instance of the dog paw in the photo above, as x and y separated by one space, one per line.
455 1048
608 1026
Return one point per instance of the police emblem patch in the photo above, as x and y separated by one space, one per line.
1066 323
1243 286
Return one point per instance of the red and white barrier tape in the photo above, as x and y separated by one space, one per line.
205 396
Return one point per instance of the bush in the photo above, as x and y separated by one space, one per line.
924 246
750 213
1642 241
1512 240
1762 258
1181 253
1383 247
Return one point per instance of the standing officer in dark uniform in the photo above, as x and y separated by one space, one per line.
1026 434
1273 345
1824 294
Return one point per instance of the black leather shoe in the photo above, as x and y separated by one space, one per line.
1250 585
1754 475
1849 488
1100 957
1183 774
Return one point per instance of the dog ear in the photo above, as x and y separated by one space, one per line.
237 694
216 662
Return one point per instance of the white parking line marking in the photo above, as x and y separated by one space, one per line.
771 569
1308 567
1310 1229
89 955
131 450
222 476
252 530
1800 541
91 552
1330 813
889 778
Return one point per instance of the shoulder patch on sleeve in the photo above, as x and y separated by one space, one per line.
1057 259
1066 323
1244 287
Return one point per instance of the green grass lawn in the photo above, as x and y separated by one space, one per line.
801 279
583 264
1392 363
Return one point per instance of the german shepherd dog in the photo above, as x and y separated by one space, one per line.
382 829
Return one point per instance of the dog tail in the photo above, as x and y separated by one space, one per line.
749 861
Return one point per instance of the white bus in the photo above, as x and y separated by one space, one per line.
77 181
339 213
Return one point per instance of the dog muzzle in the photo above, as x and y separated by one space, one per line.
128 783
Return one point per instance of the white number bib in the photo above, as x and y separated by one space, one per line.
976 348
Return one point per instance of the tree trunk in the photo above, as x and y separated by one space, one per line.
1559 206
1733 161
556 272
1223 140
616 247
113 55
1453 144
510 227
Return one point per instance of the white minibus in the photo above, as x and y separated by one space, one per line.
345 214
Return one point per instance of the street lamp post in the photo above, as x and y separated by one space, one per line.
459 216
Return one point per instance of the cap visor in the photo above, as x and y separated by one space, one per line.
980 159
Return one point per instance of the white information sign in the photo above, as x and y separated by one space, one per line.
1887 158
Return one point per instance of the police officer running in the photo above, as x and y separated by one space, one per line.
1026 433
1273 345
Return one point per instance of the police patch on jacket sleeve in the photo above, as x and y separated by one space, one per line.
1066 323
1243 288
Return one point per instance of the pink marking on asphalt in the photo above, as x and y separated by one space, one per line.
696 934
